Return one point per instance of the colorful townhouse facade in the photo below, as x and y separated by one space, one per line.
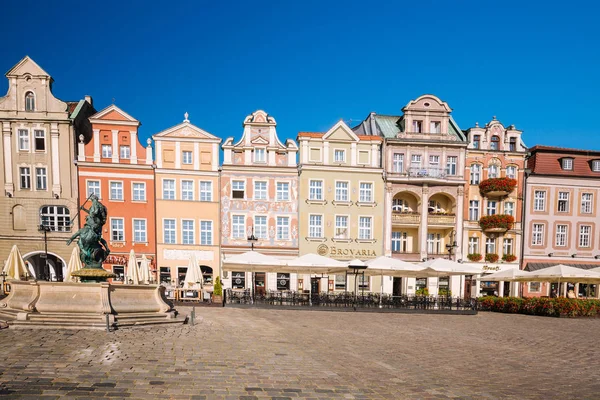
562 215
341 203
39 178
493 206
113 165
423 158
259 200
187 202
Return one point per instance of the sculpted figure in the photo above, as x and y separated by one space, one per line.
93 248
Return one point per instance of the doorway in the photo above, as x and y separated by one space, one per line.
397 287
315 285
469 282
45 269
260 283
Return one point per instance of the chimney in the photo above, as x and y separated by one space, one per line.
89 99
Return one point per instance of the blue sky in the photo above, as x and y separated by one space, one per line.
311 63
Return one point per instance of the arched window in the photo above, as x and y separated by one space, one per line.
399 205
29 101
57 218
495 143
435 207
493 171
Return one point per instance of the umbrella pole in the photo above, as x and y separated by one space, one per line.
309 288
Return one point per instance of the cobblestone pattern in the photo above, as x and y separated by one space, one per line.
278 354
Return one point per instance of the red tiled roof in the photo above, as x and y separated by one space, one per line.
71 106
310 134
546 160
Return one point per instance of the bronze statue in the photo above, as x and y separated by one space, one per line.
93 249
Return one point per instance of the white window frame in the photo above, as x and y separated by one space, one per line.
491 207
107 147
398 163
172 191
110 191
508 247
206 195
263 229
313 228
537 235
187 234
169 230
451 167
23 138
493 171
87 186
509 210
44 176
563 197
539 200
112 229
237 182
475 175
366 195
127 154
339 191
184 159
35 137
567 164
27 175
263 192
511 172
490 246
235 227
145 231
338 227
206 235
365 229
474 245
562 231
336 152
596 165
256 152
135 191
282 229
587 204
317 194
280 193
474 210
186 193
585 236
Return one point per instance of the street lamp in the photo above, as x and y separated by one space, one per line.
46 273
452 245
356 271
252 239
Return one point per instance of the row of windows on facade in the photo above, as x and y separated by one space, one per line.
261 192
495 142
117 229
339 156
24 140
401 243
433 168
563 204
492 208
402 206
188 231
138 190
493 172
41 178
342 191
567 164
562 234
124 151
260 229
238 281
55 218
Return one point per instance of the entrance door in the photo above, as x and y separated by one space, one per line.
467 288
506 289
397 287
315 285
260 286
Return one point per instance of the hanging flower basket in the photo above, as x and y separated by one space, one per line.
491 257
497 186
496 223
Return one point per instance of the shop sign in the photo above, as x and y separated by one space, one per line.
341 252
120 260
493 268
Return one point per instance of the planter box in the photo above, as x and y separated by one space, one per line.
495 230
496 193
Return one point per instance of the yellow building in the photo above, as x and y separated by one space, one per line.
342 206
187 201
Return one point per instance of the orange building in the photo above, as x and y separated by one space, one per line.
114 166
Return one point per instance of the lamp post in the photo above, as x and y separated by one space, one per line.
46 273
3 275
356 272
252 239
452 245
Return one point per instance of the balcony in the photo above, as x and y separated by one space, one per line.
427 172
406 219
497 187
497 223
441 220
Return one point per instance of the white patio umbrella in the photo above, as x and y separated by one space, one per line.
74 265
439 267
315 264
133 273
252 261
144 270
390 267
15 266
561 273
508 275
193 276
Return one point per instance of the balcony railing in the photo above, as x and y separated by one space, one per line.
427 172
441 220
400 218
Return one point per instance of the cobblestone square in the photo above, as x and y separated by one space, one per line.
281 354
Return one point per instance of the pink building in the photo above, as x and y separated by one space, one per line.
562 223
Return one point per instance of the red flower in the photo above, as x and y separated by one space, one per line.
497 221
497 185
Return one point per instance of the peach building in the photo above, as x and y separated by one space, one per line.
493 198
187 202
259 197
562 223
114 166
423 158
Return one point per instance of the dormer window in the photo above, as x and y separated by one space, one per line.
495 143
512 144
567 164
259 155
417 126
29 101
476 141
435 127
596 165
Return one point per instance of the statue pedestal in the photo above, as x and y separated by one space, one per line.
66 305
90 275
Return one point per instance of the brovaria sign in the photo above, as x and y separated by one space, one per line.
340 252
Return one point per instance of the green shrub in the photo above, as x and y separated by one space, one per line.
422 292
547 307
218 289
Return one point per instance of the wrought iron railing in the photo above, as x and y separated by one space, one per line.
427 172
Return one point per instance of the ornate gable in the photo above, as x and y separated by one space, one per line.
27 67
113 113
186 130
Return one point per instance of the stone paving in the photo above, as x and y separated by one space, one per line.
280 354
